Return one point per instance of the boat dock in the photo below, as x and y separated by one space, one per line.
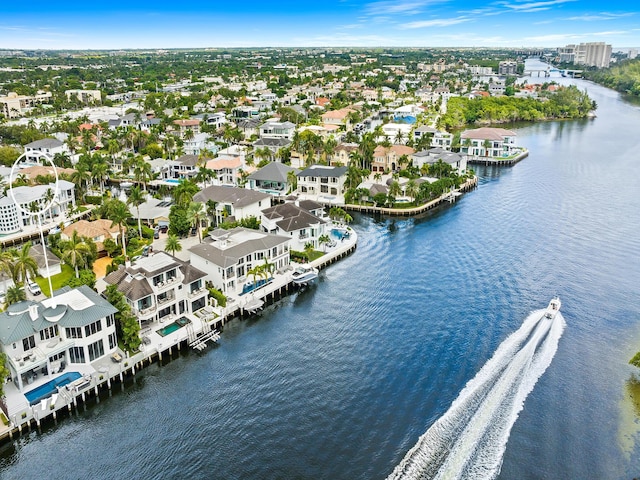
475 160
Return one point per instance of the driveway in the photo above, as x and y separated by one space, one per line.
187 243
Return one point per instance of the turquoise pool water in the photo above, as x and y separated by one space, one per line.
173 181
44 391
173 326
339 234
249 287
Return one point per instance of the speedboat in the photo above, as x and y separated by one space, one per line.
304 275
553 308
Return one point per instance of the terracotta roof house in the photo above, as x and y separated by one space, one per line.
488 142
97 230
387 159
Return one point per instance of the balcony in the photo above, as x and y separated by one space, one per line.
302 236
196 293
168 298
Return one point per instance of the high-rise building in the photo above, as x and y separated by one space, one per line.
507 68
592 54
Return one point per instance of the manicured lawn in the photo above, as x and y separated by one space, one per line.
57 280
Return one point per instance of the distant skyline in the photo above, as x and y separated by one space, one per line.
331 23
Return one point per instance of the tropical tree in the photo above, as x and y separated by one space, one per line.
323 240
308 249
292 179
118 212
173 245
136 198
412 189
127 326
75 251
14 294
183 193
195 213
25 265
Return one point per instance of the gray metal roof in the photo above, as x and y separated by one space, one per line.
238 243
272 142
67 308
238 197
323 171
45 143
274 171
292 217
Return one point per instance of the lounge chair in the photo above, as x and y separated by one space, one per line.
116 357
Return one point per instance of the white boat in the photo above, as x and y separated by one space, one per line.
304 275
553 308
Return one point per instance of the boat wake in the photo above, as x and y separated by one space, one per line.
469 440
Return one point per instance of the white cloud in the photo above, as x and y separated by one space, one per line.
436 22
560 37
527 7
411 7
600 16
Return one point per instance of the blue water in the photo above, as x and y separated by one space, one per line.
405 119
340 381
250 287
339 234
46 390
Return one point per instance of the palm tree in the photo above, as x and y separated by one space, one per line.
308 250
118 212
142 172
14 294
292 180
75 251
173 245
48 197
323 240
412 189
195 213
136 198
25 265
100 172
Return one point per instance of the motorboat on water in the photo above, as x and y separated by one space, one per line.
553 308
304 275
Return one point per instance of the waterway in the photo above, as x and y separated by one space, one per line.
341 380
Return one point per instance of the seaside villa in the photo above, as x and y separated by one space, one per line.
229 257
488 142
73 328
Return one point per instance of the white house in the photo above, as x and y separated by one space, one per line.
60 200
488 142
40 339
322 180
233 202
49 146
272 179
160 287
230 255
433 155
292 220
275 129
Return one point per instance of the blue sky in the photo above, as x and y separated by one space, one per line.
246 23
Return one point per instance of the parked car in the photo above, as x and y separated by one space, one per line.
156 234
34 288
164 228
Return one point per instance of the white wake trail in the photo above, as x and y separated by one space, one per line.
469 440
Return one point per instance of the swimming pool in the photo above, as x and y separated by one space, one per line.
44 391
173 326
249 287
172 181
340 234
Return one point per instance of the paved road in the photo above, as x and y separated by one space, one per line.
188 242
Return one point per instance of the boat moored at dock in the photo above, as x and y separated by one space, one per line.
304 275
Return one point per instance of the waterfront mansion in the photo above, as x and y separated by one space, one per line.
229 257
40 339
160 287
